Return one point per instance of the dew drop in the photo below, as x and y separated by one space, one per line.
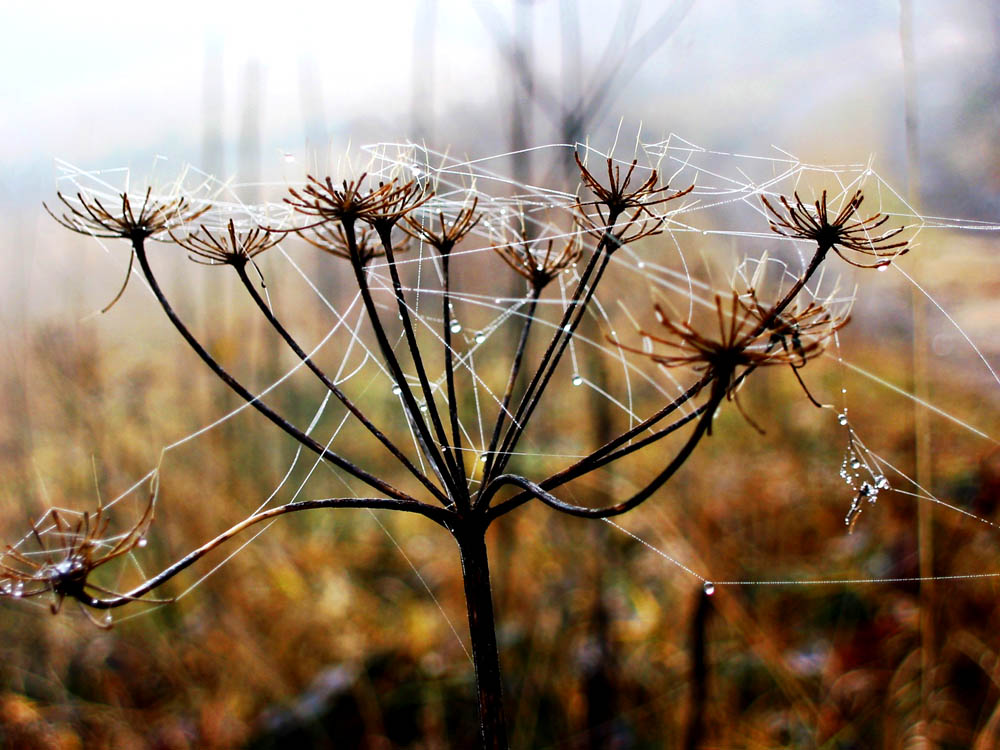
142 542
423 407
577 380
480 337
855 464
708 587
842 419
881 482
483 458
641 264
18 591
396 390
883 268
107 619
455 326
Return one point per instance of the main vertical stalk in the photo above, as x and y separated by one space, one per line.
482 629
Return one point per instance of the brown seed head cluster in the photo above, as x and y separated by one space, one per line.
537 260
450 231
63 568
92 218
799 222
233 248
620 215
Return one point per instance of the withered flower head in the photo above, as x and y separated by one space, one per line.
536 260
383 205
63 569
367 244
799 222
92 218
741 343
627 209
450 233
233 249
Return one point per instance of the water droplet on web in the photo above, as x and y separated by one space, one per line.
568 327
577 380
142 542
18 591
842 419
483 458
881 482
708 587
107 619
423 407
641 264
480 337
455 327
396 390
883 267
855 464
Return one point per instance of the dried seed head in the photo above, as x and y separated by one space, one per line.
537 260
742 343
63 568
620 215
451 231
233 248
155 216
349 203
799 222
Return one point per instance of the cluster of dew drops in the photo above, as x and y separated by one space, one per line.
858 474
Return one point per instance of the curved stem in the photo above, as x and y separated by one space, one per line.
251 399
340 395
535 490
438 515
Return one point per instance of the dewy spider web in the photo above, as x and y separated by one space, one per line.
724 207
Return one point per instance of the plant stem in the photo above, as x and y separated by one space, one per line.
331 386
250 398
482 630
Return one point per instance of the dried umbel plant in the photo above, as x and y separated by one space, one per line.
746 337
63 568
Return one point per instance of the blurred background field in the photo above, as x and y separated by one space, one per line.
323 631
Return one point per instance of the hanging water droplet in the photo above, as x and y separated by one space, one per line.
568 327
423 407
708 587
396 390
842 419
18 591
455 327
142 542
881 482
577 380
483 458
641 264
480 337
843 390
855 463
883 267
107 619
